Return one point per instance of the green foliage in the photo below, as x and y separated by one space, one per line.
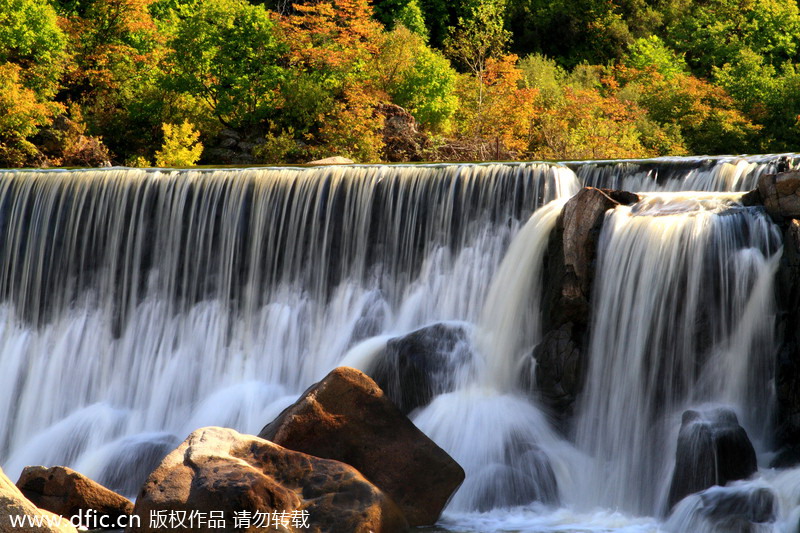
651 52
31 38
544 74
419 79
181 146
411 17
479 37
226 52
714 32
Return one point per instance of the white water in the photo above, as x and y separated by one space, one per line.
142 305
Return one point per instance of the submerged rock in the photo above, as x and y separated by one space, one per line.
66 492
348 418
218 470
418 366
713 449
726 510
14 504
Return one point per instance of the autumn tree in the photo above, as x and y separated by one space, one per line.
333 45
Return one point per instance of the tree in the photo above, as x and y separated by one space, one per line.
480 37
227 52
418 78
333 45
181 146
712 33
651 52
22 113
31 38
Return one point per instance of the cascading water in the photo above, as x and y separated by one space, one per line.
683 315
140 305
682 173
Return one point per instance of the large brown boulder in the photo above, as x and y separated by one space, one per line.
781 193
14 504
65 492
219 474
347 417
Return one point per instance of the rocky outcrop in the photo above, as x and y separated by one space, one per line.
780 194
231 475
402 141
416 367
65 492
787 369
713 449
569 269
14 504
347 417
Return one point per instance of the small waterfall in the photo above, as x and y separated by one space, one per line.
138 305
672 174
683 315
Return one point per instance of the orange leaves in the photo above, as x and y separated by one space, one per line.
332 35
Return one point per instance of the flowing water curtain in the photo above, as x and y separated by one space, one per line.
683 315
140 301
682 173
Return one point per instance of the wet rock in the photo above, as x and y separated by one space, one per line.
787 368
525 476
781 193
336 160
559 369
14 503
416 367
569 270
713 449
219 470
725 509
133 458
66 492
347 417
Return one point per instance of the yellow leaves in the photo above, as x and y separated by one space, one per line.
181 146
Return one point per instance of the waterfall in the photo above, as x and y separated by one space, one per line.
674 174
139 305
683 315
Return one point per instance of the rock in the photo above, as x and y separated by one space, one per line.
66 492
132 459
423 364
569 269
14 504
781 193
559 369
347 417
221 471
728 509
337 160
713 449
401 138
787 368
